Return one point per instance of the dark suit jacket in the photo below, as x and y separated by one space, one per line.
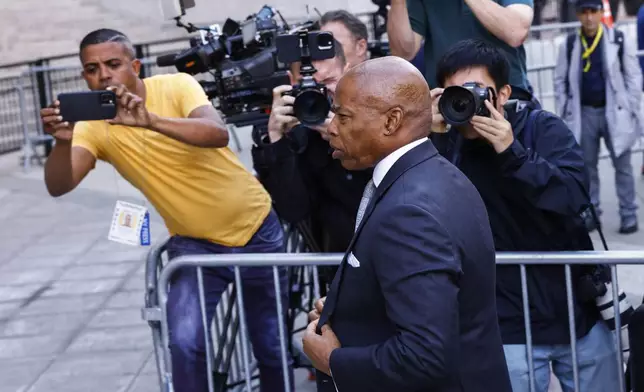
419 313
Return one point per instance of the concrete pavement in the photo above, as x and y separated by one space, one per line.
70 299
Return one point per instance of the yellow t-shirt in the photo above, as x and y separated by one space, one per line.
200 192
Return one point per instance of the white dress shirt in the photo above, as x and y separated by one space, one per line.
384 165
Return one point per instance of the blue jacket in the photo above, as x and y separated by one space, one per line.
418 312
534 192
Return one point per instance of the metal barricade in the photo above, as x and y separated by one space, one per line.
159 274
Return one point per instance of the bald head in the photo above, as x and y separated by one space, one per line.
380 105
387 82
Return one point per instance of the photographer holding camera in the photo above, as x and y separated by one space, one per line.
169 142
530 173
502 23
294 163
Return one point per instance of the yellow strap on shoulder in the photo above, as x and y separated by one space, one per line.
588 51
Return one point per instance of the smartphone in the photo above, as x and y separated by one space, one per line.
88 105
321 46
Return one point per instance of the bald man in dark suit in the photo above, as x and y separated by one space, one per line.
412 307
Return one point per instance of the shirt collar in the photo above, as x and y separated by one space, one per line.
386 163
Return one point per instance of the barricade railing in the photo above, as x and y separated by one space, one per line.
159 274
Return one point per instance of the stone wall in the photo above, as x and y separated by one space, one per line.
39 28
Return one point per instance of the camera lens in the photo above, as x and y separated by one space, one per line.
457 105
311 107
107 99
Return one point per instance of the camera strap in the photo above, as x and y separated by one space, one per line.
528 141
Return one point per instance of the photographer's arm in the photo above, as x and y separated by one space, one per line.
277 164
509 21
202 128
405 33
197 122
551 175
280 170
67 165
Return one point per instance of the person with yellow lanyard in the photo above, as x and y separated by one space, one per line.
598 90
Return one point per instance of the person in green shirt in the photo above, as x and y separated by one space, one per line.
441 24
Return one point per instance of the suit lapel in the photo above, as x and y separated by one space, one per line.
415 156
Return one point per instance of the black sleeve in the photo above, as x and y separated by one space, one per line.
279 169
553 175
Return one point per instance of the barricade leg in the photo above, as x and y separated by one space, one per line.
573 328
152 314
265 324
528 328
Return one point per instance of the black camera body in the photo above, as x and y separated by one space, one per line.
312 105
242 58
458 104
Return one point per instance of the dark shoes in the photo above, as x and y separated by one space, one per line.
628 228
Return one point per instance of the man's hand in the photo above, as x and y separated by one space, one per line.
282 119
130 109
318 348
54 124
315 313
438 122
323 128
495 129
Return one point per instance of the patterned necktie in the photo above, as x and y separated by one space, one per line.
366 197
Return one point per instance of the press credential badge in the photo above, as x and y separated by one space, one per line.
130 224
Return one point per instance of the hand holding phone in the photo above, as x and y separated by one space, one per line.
130 109
54 124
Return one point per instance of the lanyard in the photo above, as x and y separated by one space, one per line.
588 51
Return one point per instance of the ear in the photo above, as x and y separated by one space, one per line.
393 120
136 66
503 95
361 48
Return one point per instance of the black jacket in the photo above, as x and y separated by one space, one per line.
413 303
534 195
305 182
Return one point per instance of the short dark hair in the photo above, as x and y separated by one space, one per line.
474 53
350 21
102 36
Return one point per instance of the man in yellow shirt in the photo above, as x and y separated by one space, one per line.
171 144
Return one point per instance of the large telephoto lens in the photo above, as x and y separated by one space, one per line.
311 107
457 105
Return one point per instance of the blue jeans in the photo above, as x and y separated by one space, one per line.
187 343
596 357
